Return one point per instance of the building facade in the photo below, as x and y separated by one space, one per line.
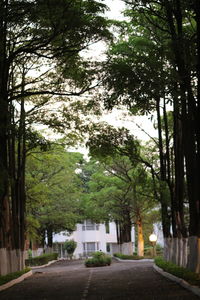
91 237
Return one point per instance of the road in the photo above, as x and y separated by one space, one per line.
70 280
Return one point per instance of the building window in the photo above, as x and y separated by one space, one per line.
107 247
90 247
107 227
88 225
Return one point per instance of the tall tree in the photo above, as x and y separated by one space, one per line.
53 193
156 63
134 197
39 36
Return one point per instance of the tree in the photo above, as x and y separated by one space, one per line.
168 33
53 191
121 189
70 246
34 36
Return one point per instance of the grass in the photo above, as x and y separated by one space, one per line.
6 278
187 275
41 260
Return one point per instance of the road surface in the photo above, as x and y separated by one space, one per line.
70 280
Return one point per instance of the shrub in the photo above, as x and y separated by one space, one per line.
187 275
148 251
99 259
41 260
70 246
6 278
124 256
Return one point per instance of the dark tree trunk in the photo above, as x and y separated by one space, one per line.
179 171
50 237
190 118
164 202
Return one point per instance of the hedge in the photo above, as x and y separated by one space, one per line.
99 259
6 278
131 257
41 260
187 275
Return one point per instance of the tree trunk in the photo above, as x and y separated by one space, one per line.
140 244
190 120
49 237
164 202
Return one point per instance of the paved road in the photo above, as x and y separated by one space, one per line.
121 281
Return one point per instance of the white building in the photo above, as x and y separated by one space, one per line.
91 237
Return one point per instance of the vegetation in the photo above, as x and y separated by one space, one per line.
6 278
53 192
41 260
178 271
70 246
131 257
119 190
152 68
99 259
40 66
148 250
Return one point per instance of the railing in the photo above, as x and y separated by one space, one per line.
90 227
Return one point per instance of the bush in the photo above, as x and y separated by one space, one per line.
6 278
187 275
124 256
99 259
148 251
70 246
41 260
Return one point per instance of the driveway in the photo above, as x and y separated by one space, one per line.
122 280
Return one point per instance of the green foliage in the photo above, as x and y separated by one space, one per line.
70 246
30 254
148 251
41 260
118 190
131 257
53 191
191 277
6 278
99 259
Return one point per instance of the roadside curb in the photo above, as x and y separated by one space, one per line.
133 260
194 289
42 266
15 281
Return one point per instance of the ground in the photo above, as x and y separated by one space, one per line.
70 280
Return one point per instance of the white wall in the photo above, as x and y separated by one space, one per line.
158 231
99 236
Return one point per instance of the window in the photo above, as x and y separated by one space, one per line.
90 247
88 225
107 247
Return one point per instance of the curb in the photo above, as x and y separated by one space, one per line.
192 288
15 281
42 266
134 260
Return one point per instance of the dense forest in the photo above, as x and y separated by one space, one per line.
151 66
